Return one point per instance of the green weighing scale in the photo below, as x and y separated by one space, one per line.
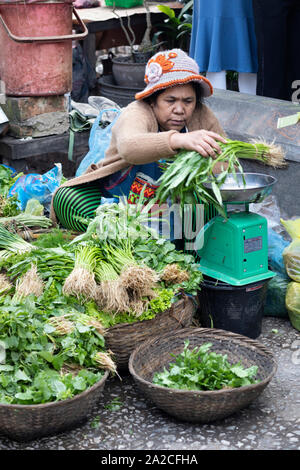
234 249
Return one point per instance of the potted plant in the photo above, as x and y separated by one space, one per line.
129 71
177 29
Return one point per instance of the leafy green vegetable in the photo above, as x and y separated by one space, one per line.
162 302
48 385
36 353
8 205
185 176
157 254
119 221
51 262
114 405
6 179
53 239
199 369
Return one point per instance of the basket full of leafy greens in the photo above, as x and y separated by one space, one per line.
54 361
134 286
51 373
202 375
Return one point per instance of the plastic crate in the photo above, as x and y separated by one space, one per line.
123 3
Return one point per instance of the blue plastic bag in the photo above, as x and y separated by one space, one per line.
99 141
275 249
277 286
35 186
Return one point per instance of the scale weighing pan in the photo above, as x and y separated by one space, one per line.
246 187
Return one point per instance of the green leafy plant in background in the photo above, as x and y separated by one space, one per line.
177 29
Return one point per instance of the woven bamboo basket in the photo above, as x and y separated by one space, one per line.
122 339
200 406
27 422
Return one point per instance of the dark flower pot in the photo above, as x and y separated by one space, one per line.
127 73
142 57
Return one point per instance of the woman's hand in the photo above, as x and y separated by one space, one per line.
202 141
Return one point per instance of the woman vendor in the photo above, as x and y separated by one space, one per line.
166 116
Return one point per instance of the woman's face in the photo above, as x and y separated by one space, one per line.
174 107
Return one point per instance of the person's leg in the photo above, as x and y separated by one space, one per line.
73 205
247 83
217 79
271 34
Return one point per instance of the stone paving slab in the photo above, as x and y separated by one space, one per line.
272 422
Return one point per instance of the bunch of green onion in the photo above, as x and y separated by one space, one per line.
124 284
110 295
81 281
267 153
29 284
27 220
119 256
12 243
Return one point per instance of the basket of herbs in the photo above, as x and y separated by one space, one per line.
54 361
52 369
202 375
130 287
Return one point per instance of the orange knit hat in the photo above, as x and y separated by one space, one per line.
171 68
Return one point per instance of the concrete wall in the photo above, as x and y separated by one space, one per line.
245 117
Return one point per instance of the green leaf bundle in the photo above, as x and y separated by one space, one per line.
27 220
81 281
185 177
12 243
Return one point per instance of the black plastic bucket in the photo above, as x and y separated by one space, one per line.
238 309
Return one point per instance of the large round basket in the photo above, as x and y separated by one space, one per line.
27 422
122 339
200 406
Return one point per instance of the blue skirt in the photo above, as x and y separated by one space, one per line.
223 36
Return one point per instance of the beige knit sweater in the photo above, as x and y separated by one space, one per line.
135 140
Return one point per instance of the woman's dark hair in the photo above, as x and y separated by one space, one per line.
198 91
